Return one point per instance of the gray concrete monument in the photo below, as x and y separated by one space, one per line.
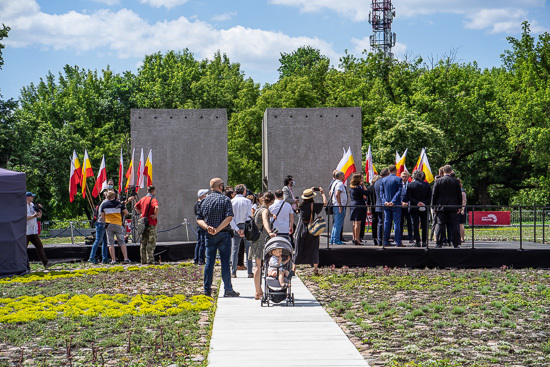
308 143
189 148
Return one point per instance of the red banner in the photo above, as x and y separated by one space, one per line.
489 218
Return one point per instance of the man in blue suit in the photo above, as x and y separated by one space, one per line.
390 193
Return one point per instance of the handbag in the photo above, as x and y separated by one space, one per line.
330 208
143 222
251 230
317 226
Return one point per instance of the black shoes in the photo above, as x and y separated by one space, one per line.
231 294
207 294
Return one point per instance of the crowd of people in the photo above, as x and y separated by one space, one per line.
389 201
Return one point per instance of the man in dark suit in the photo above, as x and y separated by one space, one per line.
446 200
405 214
419 196
378 211
390 193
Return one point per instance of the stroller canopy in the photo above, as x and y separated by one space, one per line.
278 242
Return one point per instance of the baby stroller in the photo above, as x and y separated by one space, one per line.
273 291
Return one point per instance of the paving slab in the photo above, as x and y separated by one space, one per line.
246 334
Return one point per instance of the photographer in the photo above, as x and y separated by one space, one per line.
34 211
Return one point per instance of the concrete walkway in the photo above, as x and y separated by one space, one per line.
246 334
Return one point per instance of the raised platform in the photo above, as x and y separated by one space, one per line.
486 254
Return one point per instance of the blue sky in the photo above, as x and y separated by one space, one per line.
94 34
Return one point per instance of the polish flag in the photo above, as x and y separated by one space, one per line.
101 182
74 177
120 172
140 183
370 170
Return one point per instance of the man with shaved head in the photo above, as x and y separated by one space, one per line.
214 216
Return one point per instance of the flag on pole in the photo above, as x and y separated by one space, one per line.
400 162
140 172
426 168
101 181
120 172
346 164
423 165
74 178
370 170
418 165
77 168
86 172
130 172
148 169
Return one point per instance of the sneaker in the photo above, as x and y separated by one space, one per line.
48 265
233 275
105 261
339 243
113 262
251 275
231 294
207 294
126 261
92 261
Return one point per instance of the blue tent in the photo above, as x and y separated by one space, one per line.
13 224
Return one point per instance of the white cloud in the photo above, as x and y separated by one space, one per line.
358 10
497 20
166 3
224 17
108 2
125 34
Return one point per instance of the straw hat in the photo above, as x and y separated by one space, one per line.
308 194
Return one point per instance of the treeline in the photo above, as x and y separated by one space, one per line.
492 125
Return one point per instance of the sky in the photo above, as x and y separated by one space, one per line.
93 34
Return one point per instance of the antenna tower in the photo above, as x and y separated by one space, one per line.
381 18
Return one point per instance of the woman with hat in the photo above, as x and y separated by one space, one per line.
307 244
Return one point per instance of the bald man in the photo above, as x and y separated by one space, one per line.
214 216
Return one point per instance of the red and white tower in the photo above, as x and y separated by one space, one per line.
381 18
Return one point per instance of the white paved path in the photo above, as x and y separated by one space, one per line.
246 334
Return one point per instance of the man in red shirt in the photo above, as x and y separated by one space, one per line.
148 206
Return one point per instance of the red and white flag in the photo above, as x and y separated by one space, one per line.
101 182
140 183
120 172
370 170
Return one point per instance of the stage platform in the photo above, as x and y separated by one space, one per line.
485 254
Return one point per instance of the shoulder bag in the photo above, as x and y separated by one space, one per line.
317 226
251 230
143 222
330 208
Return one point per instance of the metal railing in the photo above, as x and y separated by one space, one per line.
528 224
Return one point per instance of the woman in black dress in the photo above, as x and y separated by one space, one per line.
358 215
307 244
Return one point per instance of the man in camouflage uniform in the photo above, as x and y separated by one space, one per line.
148 207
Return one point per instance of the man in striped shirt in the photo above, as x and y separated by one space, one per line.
112 213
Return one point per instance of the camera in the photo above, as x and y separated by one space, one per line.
316 189
38 208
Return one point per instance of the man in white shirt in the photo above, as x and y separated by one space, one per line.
242 210
32 229
284 222
339 201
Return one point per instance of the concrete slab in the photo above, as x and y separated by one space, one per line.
246 334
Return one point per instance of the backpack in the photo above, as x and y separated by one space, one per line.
251 231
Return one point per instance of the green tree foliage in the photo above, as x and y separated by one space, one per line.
492 125
7 109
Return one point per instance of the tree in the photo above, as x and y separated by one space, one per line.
7 109
305 60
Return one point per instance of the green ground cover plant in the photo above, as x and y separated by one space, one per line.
440 318
86 315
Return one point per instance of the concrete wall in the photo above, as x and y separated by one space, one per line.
189 148
307 144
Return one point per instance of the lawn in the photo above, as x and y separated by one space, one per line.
405 317
93 315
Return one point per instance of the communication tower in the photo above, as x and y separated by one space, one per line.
381 18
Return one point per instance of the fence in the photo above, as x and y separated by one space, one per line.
527 224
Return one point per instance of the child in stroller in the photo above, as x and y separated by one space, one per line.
278 255
276 267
